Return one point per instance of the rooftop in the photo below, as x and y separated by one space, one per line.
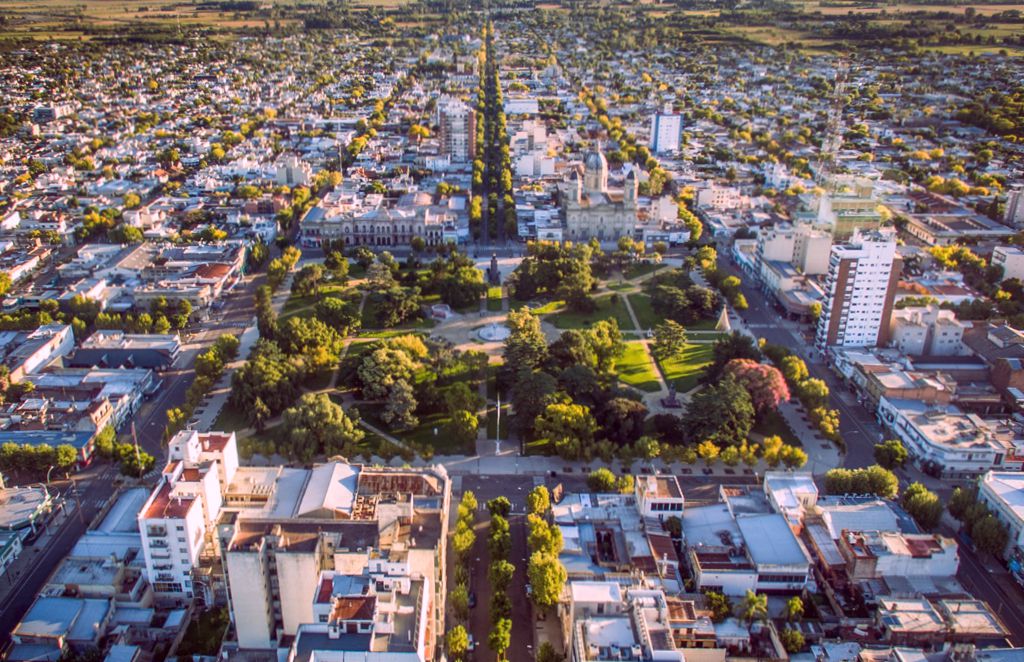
770 541
1008 487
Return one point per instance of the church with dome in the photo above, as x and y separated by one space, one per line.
592 210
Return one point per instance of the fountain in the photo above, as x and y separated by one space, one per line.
493 332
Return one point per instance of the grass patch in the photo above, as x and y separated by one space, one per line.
320 380
686 369
648 318
773 423
610 306
422 434
642 269
302 306
635 368
230 419
205 633
494 299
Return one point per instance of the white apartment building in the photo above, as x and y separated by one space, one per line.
458 130
666 132
1014 215
719 197
859 291
659 496
947 443
176 522
1010 258
1003 493
927 331
293 171
801 246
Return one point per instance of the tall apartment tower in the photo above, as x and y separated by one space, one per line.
859 290
458 130
1015 208
666 132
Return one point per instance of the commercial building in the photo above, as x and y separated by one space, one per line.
945 442
859 291
1003 493
458 130
874 554
23 509
107 348
27 352
666 132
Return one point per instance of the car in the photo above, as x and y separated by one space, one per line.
472 600
529 590
472 643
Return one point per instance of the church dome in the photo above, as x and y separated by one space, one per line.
595 160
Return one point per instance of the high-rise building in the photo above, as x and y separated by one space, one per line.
859 291
458 130
666 132
1015 208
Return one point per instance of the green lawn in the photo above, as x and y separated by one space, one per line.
230 419
686 369
649 319
422 434
773 423
635 368
303 305
607 306
494 299
641 269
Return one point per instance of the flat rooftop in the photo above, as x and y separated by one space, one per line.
770 541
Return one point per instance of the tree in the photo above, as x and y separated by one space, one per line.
792 640
793 457
764 383
458 602
499 506
813 393
719 605
547 653
307 280
379 277
606 341
525 348
601 480
573 348
544 537
364 257
990 535
890 454
532 392
794 369
500 575
538 501
622 420
961 501
871 480
396 305
569 427
754 607
794 608
317 425
500 637
669 340
400 407
319 345
547 579
457 642
340 315
500 541
381 368
463 427
708 451
733 346
103 444
722 413
337 264
647 448
922 504
66 456
462 541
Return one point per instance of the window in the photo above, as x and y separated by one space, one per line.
323 618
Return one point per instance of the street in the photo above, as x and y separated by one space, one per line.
93 491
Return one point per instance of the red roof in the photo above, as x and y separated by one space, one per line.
213 270
164 506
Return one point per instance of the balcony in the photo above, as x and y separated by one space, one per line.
158 544
156 531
